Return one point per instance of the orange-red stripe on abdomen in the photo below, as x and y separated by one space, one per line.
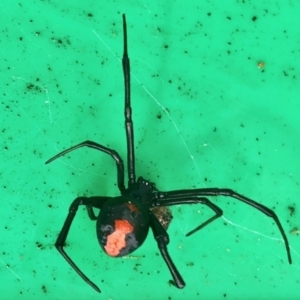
116 240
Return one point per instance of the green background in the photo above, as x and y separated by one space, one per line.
205 115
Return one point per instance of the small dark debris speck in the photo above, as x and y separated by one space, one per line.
44 289
292 210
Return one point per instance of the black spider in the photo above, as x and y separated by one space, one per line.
124 221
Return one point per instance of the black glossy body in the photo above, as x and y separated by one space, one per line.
123 208
134 208
124 221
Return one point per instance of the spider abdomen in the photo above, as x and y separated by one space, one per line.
122 226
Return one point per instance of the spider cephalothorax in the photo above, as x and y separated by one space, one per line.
124 221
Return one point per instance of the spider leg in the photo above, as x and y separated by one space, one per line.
60 242
162 239
160 196
128 110
192 200
114 154
91 212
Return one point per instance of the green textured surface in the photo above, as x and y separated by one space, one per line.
231 124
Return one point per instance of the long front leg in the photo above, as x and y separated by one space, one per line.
60 242
162 239
127 110
114 154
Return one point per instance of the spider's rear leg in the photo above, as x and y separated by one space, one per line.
162 239
62 237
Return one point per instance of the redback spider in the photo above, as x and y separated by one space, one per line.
123 222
